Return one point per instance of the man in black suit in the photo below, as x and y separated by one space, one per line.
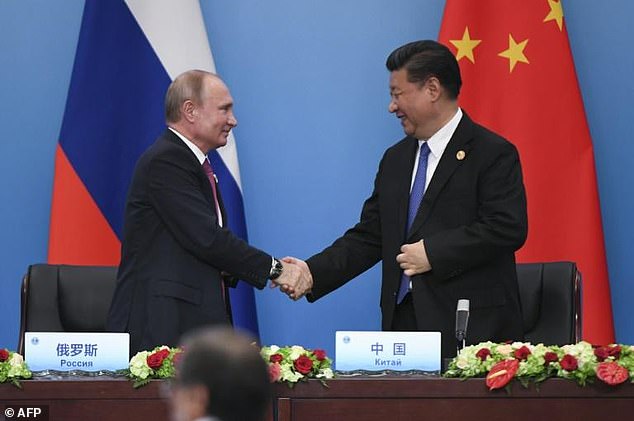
175 246
459 240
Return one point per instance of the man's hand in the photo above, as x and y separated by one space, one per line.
295 280
288 279
413 259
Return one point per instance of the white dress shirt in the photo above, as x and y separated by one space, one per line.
437 145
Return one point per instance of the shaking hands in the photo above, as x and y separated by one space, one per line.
295 280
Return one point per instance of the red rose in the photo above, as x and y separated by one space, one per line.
155 360
569 363
483 353
614 351
522 353
275 372
320 354
4 355
601 353
550 357
276 358
303 364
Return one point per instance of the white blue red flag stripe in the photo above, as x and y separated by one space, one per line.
128 53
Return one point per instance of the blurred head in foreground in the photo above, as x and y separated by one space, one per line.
221 376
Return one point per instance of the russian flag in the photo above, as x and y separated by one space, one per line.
127 55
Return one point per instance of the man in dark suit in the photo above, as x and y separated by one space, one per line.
175 245
447 213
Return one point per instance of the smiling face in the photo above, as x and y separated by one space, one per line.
213 118
413 104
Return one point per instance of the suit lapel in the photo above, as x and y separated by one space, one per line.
449 162
207 191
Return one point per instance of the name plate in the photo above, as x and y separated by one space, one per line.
66 351
380 351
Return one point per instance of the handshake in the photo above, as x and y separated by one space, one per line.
295 280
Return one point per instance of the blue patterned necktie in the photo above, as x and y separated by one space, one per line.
415 197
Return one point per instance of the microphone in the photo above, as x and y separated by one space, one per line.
462 320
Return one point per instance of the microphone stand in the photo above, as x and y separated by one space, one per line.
461 342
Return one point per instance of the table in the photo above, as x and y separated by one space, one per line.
401 398
350 399
93 398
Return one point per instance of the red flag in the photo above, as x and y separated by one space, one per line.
519 80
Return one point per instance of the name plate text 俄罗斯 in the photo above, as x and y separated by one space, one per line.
68 351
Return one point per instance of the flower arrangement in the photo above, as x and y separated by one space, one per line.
156 364
13 368
294 363
288 364
500 363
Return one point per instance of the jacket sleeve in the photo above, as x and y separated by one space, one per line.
175 193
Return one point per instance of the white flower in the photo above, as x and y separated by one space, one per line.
17 367
16 360
326 373
462 362
505 349
138 365
296 351
289 375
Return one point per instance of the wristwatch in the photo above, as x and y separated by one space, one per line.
276 269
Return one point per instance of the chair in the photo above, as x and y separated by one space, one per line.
550 294
64 298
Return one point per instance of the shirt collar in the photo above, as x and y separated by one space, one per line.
439 140
200 155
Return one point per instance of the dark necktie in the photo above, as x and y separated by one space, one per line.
212 180
415 197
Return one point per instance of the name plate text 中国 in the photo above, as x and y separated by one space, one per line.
69 351
383 351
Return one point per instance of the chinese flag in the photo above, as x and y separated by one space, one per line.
519 80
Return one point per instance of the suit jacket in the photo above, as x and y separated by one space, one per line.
472 219
173 251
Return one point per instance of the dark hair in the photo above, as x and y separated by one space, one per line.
231 369
424 59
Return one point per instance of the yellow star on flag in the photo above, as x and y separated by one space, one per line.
556 13
515 52
465 45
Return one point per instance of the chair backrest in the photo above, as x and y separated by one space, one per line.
550 294
65 298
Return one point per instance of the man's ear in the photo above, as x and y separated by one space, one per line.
189 111
434 88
